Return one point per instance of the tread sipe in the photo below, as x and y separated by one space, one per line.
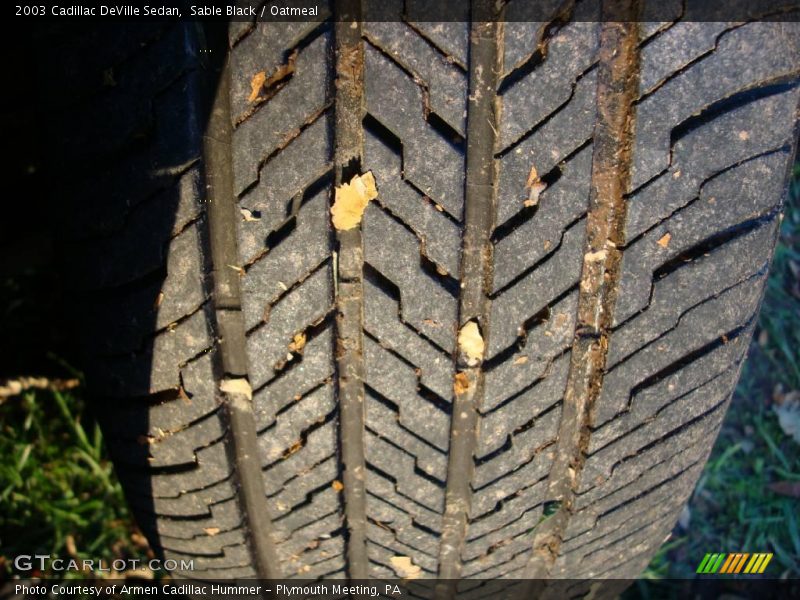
515 365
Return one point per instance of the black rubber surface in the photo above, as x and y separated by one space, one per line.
569 449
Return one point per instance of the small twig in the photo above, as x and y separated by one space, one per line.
14 387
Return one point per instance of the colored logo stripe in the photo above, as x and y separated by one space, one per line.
729 563
733 563
711 562
740 564
763 565
703 564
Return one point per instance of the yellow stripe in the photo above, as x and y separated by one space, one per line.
756 566
752 562
765 563
730 559
741 563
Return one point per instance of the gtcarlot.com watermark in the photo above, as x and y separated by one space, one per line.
43 562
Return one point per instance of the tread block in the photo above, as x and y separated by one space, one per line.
309 371
527 297
570 52
738 195
727 140
394 251
277 122
302 306
434 164
745 58
543 346
440 237
287 177
545 147
445 83
435 367
559 205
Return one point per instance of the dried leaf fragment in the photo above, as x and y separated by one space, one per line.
184 396
461 383
248 215
533 194
212 531
664 240
470 343
521 360
351 199
598 256
256 85
298 342
533 177
261 83
535 187
71 547
293 449
786 488
238 386
404 568
337 485
139 540
788 412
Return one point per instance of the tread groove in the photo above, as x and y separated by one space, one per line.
618 67
242 444
485 57
348 153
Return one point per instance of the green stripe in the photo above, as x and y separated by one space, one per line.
711 562
718 564
703 563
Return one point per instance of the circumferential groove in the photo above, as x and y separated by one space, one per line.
611 163
349 275
485 61
241 443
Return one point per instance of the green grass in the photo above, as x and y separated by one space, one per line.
732 508
58 494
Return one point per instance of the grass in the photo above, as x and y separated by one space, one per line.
59 495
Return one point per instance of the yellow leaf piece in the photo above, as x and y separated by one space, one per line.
404 568
470 343
533 177
461 383
351 199
664 240
337 485
298 342
256 85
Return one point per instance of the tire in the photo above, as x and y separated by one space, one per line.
515 364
